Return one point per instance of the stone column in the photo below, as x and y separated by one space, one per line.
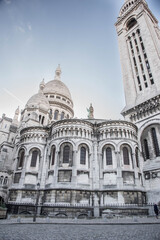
91 199
100 169
96 206
22 179
44 168
95 166
119 170
95 176
19 196
135 170
53 196
74 168
55 177
40 169
73 199
120 198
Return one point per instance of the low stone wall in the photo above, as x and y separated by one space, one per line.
124 211
3 213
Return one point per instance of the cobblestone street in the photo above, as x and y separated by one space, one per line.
79 232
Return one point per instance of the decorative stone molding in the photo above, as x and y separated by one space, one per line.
143 110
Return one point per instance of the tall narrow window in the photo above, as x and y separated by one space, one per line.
125 156
137 159
108 156
1 180
40 118
5 181
146 149
53 155
17 177
62 115
43 120
155 142
56 115
34 158
66 152
83 155
20 159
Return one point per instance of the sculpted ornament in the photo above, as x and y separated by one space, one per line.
90 112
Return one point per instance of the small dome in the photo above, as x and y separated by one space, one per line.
38 101
57 87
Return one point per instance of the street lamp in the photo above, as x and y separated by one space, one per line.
37 198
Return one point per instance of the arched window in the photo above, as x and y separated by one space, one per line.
146 149
2 203
1 180
20 159
66 152
131 23
83 155
108 156
138 31
136 156
34 158
53 155
42 120
125 156
62 115
155 142
56 115
5 181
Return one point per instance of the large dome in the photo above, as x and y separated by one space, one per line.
54 98
38 101
57 87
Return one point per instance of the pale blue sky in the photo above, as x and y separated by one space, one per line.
37 35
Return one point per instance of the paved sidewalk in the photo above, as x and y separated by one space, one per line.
98 221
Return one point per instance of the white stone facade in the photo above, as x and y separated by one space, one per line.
89 163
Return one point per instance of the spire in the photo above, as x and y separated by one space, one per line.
58 73
41 86
16 115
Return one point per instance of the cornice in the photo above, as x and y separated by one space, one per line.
142 110
120 19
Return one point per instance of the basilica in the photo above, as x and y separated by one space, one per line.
64 166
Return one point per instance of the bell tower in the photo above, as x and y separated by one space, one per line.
139 45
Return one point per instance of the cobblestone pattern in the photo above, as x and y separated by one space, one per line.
78 232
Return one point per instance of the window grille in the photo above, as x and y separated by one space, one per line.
108 156
66 152
83 155
125 156
34 158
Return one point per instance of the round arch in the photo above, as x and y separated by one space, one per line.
112 143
